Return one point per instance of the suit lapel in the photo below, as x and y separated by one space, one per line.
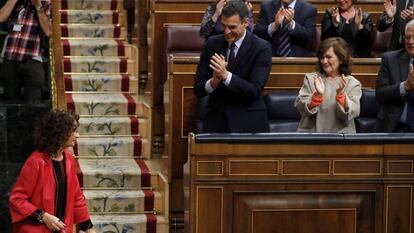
222 47
242 53
404 62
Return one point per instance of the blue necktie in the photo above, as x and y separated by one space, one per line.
284 45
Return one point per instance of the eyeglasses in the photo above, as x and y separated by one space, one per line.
408 37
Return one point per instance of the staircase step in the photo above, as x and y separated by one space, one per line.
93 31
121 201
107 104
114 174
122 125
102 65
91 4
134 223
109 146
101 83
91 17
94 47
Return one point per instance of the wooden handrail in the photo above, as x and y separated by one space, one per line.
56 67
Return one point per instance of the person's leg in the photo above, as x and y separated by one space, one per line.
34 80
12 82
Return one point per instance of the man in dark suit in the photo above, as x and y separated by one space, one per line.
395 87
295 17
233 70
396 15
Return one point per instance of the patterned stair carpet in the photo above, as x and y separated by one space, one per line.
123 192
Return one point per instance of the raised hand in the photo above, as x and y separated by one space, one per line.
336 16
390 7
319 86
358 19
407 14
249 5
219 66
409 83
341 86
289 14
219 6
280 16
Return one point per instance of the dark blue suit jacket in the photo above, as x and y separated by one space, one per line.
241 103
393 71
301 37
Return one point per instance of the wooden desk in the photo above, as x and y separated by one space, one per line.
263 186
180 101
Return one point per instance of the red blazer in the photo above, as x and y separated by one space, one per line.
35 188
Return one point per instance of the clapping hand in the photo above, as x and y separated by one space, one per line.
219 66
358 19
335 16
390 7
341 86
409 83
289 14
219 6
407 14
319 86
249 6
280 16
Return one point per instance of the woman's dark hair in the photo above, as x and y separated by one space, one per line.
341 50
235 7
54 129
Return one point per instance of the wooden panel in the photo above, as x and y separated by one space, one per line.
210 168
357 167
400 167
311 212
304 220
398 149
253 167
306 167
209 207
399 207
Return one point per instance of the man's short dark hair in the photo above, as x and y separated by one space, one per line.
235 7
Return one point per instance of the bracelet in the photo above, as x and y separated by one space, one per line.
40 215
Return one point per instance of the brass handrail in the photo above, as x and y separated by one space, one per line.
55 54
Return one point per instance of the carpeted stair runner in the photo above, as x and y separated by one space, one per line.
123 192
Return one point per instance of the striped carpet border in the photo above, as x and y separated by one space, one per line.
148 200
151 223
134 125
145 173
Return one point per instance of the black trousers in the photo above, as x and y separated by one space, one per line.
29 75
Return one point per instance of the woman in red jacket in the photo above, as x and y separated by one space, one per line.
47 196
